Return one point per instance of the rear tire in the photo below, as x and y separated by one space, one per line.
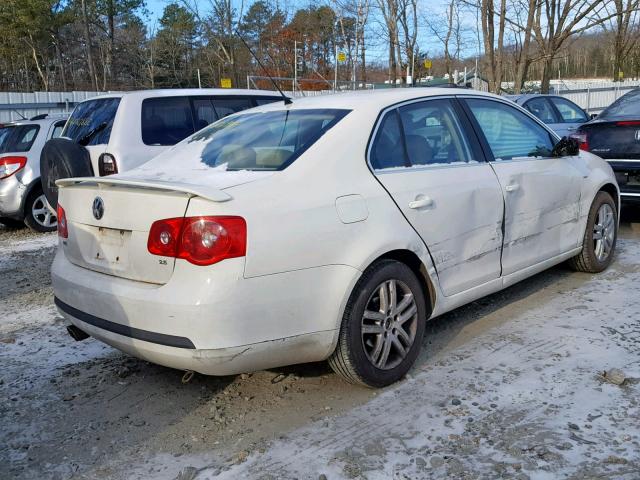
62 158
599 243
382 326
38 215
11 223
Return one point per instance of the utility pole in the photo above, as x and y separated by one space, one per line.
335 75
295 66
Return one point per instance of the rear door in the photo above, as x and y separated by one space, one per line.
440 181
541 193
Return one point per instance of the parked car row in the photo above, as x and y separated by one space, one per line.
22 200
324 228
115 133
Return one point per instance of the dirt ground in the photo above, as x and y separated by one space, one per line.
510 386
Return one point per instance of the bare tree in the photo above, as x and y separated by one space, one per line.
448 30
621 22
390 12
556 21
493 43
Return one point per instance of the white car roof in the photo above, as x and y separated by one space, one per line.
178 92
42 122
372 100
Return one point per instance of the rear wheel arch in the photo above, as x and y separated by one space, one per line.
411 259
34 186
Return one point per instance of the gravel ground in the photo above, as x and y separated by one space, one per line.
510 386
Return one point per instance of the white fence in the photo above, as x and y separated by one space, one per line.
592 96
15 105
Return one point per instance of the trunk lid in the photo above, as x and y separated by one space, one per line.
115 243
614 139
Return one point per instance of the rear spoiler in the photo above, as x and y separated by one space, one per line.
212 194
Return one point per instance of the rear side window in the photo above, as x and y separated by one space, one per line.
267 100
421 133
263 141
432 133
228 106
388 148
509 132
569 111
18 138
57 129
91 121
166 120
542 109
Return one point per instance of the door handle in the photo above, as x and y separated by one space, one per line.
512 188
421 201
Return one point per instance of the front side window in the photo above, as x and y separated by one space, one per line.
433 134
569 111
262 141
18 138
509 132
541 108
91 121
166 120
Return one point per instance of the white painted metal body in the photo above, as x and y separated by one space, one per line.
313 228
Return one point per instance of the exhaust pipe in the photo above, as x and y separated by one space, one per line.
77 334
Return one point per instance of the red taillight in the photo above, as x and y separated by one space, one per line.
582 139
628 123
10 165
199 240
63 228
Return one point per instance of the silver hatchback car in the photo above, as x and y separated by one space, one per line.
21 197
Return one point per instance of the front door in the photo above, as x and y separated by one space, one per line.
542 193
440 181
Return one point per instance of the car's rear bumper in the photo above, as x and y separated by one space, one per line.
11 193
209 319
628 177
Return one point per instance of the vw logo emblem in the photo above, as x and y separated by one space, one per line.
638 135
98 208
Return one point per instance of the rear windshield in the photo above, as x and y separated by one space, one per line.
265 140
626 106
91 121
17 138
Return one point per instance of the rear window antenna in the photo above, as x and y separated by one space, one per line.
287 100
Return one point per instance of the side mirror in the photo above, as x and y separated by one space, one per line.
593 115
566 147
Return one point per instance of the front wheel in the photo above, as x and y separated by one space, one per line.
599 243
382 327
38 215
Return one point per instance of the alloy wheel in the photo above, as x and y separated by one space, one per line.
389 324
604 231
42 213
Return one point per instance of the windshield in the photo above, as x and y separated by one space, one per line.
17 138
263 141
626 106
91 121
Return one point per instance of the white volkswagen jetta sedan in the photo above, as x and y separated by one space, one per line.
332 228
